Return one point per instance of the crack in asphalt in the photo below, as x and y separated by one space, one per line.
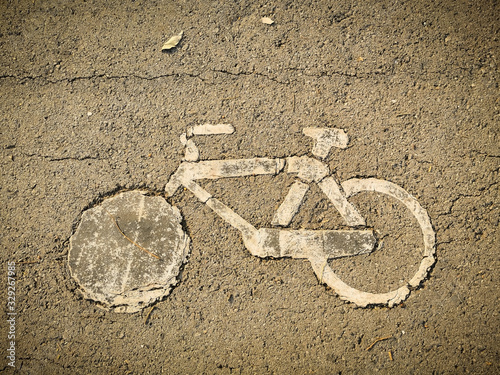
361 75
462 195
271 77
96 76
450 213
486 155
303 72
74 158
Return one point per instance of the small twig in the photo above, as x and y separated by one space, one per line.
390 355
149 313
293 109
129 239
377 340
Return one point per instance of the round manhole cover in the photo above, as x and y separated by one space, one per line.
127 252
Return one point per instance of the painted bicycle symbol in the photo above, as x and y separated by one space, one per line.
318 246
111 282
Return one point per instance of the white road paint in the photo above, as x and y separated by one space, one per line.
326 138
291 204
208 129
143 279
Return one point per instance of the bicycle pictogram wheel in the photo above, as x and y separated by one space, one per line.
361 298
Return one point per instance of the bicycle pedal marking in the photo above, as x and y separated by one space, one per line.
306 244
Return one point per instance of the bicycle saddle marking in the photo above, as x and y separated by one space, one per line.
191 152
209 129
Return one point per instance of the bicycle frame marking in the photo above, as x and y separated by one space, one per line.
276 242
272 242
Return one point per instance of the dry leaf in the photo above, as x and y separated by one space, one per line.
267 20
172 42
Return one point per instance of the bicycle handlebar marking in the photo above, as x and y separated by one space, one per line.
326 139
